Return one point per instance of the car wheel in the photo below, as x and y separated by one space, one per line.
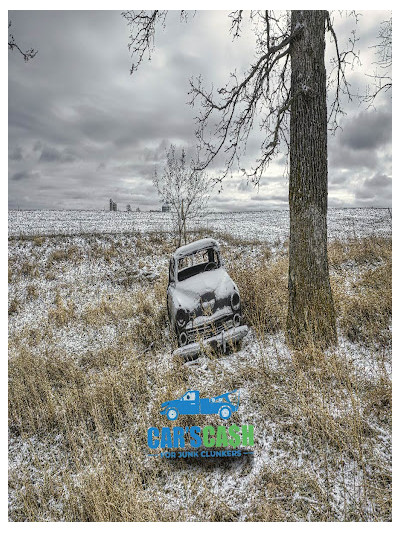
172 414
225 412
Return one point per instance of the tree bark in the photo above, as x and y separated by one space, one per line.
311 314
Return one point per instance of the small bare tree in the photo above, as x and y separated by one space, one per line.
184 189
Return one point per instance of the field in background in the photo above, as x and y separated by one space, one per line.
90 362
266 226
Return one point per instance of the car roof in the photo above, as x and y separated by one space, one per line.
195 246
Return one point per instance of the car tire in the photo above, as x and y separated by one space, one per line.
172 413
225 412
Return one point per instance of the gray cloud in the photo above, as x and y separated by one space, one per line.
343 157
50 154
25 175
244 186
16 154
368 130
82 129
271 197
377 189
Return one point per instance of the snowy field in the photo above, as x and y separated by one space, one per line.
267 226
90 362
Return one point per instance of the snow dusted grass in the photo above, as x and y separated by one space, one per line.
90 362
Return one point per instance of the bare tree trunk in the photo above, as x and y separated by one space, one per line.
311 314
179 229
183 216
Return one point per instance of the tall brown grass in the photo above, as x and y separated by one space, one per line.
82 421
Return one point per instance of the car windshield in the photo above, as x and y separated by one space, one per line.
196 263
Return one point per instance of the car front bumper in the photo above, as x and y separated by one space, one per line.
223 339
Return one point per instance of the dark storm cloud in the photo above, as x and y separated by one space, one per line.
368 130
82 129
343 157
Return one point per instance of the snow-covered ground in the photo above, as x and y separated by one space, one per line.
268 226
76 296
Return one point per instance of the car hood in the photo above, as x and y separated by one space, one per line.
215 283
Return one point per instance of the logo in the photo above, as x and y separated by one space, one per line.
195 437
191 404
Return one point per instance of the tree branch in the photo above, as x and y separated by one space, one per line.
12 45
337 76
264 88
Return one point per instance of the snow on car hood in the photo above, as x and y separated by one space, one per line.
189 292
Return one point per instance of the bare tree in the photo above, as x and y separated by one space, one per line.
184 189
12 45
287 79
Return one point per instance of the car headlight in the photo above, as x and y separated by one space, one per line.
235 301
236 320
181 318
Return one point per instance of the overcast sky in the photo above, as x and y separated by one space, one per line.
82 129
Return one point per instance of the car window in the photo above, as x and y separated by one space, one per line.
196 263
193 260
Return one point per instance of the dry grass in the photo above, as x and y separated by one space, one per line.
151 317
28 269
78 421
72 253
365 251
86 410
365 314
13 306
363 298
263 290
62 313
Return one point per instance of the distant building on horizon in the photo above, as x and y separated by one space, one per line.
166 208
113 205
128 208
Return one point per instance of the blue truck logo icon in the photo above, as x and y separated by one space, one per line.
191 404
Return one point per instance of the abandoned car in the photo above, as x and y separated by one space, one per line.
204 305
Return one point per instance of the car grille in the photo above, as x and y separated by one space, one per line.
209 329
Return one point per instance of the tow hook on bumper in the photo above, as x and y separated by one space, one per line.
222 339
